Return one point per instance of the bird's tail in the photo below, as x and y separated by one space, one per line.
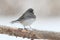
13 21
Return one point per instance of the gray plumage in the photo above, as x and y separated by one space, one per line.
27 15
27 18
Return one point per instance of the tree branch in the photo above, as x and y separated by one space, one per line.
33 34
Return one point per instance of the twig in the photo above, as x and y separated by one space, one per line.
33 34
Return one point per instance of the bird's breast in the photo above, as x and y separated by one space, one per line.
27 22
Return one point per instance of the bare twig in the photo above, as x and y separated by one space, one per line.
33 34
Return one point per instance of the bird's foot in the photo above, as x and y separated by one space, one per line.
25 29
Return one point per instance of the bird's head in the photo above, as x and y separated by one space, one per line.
30 10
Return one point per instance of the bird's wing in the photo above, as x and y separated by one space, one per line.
23 16
26 15
20 18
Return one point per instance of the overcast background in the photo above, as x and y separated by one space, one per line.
46 11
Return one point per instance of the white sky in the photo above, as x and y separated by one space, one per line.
47 12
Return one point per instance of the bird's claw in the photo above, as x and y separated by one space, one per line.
25 29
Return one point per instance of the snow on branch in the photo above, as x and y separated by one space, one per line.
33 34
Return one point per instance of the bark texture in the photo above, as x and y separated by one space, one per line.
33 34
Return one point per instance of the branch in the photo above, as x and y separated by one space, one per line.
33 34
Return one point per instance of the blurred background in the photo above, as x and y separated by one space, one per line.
46 11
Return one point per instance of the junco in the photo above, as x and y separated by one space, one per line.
27 18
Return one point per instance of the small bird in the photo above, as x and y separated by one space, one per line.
27 18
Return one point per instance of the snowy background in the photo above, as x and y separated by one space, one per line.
47 12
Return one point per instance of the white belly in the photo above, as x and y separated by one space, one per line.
27 22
